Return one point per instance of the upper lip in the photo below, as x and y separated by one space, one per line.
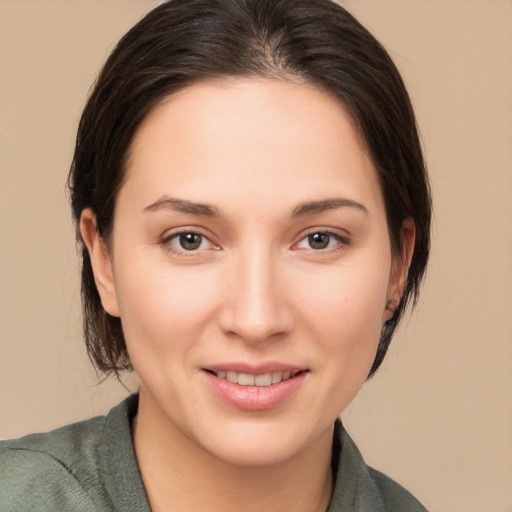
255 369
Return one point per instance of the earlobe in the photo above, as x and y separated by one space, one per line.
100 261
400 269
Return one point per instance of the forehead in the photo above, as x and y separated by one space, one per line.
270 136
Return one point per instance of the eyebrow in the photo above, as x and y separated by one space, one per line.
314 207
182 206
303 209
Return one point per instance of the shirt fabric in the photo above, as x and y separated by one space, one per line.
91 466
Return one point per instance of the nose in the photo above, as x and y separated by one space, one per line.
256 307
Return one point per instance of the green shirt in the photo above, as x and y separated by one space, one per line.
91 466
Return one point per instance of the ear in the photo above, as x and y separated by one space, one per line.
101 262
400 269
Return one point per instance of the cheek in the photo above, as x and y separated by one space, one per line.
163 309
347 299
343 312
348 330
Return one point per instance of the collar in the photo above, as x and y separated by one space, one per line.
354 489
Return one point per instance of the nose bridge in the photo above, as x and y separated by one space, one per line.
256 306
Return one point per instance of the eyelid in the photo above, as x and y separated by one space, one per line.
343 240
165 240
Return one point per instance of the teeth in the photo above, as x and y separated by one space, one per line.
232 377
263 380
246 379
277 377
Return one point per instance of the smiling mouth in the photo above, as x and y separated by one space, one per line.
261 380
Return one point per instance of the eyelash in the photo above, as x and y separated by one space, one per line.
166 242
340 241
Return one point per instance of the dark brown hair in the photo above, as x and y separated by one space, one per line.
185 41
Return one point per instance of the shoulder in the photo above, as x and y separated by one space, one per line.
394 496
51 471
359 487
86 466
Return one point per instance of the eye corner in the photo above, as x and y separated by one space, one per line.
321 241
198 243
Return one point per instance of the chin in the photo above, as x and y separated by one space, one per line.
259 444
255 454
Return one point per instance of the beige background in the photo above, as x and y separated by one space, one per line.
438 417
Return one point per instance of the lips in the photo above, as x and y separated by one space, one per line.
255 389
262 379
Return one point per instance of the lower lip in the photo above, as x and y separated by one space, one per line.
255 398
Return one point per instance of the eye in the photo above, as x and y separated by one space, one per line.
188 241
320 240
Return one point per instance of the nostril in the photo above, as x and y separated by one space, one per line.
256 325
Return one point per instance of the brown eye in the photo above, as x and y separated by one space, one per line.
319 240
190 241
322 241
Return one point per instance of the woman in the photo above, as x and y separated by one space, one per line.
253 210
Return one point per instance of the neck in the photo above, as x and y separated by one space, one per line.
179 475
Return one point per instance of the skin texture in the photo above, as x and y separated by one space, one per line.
253 292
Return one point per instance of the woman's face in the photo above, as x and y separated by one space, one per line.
249 246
